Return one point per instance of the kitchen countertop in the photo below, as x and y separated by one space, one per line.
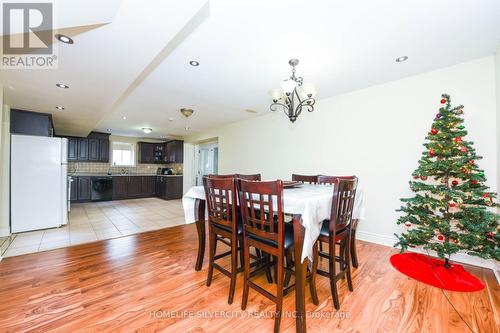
118 175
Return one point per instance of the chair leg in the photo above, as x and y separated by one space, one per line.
234 268
246 251
342 251
275 267
212 243
288 273
332 271
268 269
314 268
348 263
354 255
279 286
242 254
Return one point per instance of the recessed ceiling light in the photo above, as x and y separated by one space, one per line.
163 136
108 129
187 128
194 63
170 119
250 111
401 59
147 130
60 107
124 117
64 39
64 86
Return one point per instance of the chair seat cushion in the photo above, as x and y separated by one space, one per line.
325 229
288 237
239 224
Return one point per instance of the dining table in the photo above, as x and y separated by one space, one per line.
308 204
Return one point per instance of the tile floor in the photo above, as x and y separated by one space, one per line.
101 220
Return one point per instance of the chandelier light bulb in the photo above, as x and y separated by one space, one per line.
288 86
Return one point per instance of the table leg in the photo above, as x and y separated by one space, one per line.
199 214
300 275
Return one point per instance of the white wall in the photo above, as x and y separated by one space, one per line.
4 167
376 133
497 76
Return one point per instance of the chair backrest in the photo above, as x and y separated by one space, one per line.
329 180
344 194
234 175
260 202
221 201
250 177
305 179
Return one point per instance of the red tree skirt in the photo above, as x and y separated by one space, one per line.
431 271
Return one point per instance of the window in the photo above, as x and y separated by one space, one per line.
123 154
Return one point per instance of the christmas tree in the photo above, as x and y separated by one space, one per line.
452 209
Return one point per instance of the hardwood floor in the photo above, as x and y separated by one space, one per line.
147 282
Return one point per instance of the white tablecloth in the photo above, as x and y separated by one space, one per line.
313 202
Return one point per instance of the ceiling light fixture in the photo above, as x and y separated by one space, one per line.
147 130
292 97
63 86
170 119
63 38
60 107
108 129
194 63
401 59
187 113
124 117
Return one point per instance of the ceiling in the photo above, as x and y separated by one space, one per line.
136 64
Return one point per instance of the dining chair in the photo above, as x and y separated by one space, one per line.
234 175
329 180
305 179
337 230
250 177
260 202
225 225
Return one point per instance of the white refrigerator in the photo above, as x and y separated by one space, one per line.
38 182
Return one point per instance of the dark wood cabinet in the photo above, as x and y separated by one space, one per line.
72 149
93 149
174 151
103 150
73 195
135 187
84 188
83 149
31 123
120 187
146 152
149 186
169 188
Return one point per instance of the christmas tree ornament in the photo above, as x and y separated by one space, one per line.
423 177
443 101
415 177
407 224
452 218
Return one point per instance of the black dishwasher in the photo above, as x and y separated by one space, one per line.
102 188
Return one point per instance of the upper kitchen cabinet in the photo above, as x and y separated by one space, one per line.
146 152
31 123
94 148
174 151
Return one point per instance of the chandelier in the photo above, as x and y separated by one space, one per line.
293 96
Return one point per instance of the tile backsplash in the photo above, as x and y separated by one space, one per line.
102 168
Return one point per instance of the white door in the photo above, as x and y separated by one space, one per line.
36 175
208 161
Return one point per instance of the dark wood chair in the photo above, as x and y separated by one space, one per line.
329 180
250 177
305 178
224 224
234 175
337 230
265 230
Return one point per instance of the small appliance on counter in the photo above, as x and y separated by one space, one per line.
165 171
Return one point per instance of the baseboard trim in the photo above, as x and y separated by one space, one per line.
459 257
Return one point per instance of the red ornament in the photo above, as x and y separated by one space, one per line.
473 182
471 162
491 234
434 131
423 177
432 152
407 224
452 204
463 149
443 101
454 182
440 238
458 139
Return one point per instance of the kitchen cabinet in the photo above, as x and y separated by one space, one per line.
174 151
73 193
120 187
31 123
93 149
149 186
84 188
103 150
134 187
83 149
146 152
169 188
72 149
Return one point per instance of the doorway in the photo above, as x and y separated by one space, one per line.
207 156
